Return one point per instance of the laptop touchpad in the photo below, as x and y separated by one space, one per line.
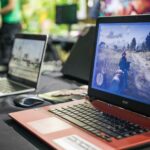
49 125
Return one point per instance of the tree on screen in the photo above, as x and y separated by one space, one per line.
133 44
148 41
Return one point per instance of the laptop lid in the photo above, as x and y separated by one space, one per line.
78 63
27 56
121 62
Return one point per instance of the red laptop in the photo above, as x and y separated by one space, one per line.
116 115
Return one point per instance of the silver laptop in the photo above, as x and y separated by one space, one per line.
25 64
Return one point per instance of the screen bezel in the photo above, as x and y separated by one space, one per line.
113 99
30 37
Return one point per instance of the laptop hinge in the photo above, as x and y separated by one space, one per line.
91 98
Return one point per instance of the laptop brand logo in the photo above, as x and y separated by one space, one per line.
124 102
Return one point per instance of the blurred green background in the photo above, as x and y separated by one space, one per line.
38 16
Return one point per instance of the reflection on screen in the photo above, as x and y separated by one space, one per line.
26 59
122 61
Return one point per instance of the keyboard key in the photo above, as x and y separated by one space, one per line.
119 137
75 121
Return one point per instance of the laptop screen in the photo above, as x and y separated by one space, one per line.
26 58
122 60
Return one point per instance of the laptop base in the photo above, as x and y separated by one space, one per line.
53 130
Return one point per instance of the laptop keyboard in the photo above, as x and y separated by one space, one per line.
97 122
7 86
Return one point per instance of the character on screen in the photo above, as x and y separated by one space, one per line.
124 65
120 79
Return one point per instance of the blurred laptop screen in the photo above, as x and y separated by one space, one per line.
26 59
66 14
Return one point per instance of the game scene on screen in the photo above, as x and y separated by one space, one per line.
26 58
122 60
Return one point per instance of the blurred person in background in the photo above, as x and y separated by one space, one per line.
11 24
97 9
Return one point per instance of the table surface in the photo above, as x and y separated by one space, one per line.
12 135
